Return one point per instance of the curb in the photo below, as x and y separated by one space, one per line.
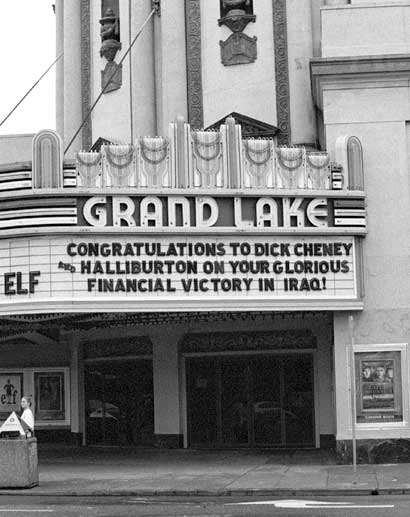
205 493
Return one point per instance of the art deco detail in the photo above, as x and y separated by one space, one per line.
281 70
239 48
194 65
111 76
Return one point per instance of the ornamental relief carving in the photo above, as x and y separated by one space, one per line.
281 71
239 48
194 64
111 76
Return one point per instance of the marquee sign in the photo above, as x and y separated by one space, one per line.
170 213
236 212
176 273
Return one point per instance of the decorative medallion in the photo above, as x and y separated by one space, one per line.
238 49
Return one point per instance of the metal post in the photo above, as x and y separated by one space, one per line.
352 392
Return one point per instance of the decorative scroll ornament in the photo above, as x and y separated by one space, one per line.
88 167
154 154
207 149
318 170
290 161
119 159
258 154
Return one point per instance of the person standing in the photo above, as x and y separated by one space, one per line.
27 415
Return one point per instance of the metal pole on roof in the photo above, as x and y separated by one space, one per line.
109 80
31 89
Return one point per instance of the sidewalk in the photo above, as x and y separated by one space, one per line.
153 472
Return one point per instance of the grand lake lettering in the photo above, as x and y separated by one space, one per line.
231 266
204 212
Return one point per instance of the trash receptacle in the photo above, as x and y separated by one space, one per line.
19 464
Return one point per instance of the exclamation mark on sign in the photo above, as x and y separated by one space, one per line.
324 283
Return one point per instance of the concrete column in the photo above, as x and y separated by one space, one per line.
170 64
60 67
76 385
342 394
72 74
167 395
300 51
142 62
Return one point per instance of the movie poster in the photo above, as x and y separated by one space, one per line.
49 395
378 387
11 391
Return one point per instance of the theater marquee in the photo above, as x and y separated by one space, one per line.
235 212
139 273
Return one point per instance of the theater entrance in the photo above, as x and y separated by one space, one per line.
119 402
251 401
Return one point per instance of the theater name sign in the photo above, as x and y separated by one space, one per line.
170 253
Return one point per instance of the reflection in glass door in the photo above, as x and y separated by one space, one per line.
298 393
251 401
234 402
119 403
267 401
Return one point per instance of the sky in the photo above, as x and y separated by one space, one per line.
27 42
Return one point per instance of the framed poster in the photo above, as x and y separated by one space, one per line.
50 395
11 391
378 387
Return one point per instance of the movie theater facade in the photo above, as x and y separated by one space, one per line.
192 291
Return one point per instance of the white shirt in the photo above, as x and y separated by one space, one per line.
28 418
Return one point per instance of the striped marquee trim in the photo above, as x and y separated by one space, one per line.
21 178
16 180
38 212
70 177
349 212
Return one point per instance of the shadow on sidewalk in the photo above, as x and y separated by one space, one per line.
49 453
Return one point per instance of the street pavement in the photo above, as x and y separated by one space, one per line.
89 471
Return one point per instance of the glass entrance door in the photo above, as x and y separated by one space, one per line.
119 403
267 401
234 395
251 401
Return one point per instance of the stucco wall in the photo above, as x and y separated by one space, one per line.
361 29
15 148
376 113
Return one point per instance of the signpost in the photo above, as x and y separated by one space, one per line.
352 392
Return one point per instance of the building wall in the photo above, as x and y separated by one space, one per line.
364 29
15 148
374 107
